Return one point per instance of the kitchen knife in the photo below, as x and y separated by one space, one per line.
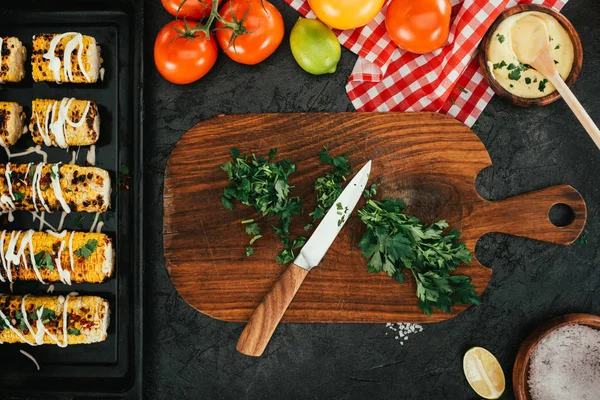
266 317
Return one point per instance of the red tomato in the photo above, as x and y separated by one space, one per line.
183 58
192 9
419 26
256 34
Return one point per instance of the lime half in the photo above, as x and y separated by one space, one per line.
484 373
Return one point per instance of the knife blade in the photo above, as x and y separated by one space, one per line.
266 316
317 245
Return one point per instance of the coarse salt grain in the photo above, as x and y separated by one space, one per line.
402 330
566 365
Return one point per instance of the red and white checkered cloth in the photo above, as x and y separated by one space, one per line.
448 80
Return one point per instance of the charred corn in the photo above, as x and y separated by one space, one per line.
79 257
53 187
60 320
65 57
12 123
64 123
12 59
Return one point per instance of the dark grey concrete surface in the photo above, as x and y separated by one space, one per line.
189 355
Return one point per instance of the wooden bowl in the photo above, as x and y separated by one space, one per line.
523 101
521 366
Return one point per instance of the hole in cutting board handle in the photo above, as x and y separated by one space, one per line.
561 215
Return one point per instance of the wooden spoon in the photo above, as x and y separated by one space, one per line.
531 44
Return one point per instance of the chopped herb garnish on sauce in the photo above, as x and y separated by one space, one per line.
528 80
87 249
511 66
500 37
462 89
515 75
542 85
74 331
499 65
555 62
557 47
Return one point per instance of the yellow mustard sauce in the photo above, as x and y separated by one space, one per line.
520 79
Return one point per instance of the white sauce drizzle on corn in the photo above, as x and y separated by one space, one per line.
55 63
11 258
41 328
58 127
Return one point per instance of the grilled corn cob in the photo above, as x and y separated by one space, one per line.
41 319
12 59
53 187
55 257
65 57
12 123
64 123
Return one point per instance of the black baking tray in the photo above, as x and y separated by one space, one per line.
111 369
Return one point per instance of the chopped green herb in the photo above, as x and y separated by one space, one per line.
452 100
511 66
370 192
542 85
47 315
535 80
499 65
582 239
511 85
249 251
396 243
329 187
515 75
87 249
252 229
19 196
551 38
500 37
555 62
462 89
79 221
44 259
557 47
262 184
528 80
74 331
254 239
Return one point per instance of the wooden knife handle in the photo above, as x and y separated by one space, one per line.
266 317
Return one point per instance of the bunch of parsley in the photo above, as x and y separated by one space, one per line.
395 242
329 186
263 184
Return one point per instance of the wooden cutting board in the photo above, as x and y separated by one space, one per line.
429 160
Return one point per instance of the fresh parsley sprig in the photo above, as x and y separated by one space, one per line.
395 242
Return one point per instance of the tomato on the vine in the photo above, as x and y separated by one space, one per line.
183 54
346 14
419 26
192 9
249 31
